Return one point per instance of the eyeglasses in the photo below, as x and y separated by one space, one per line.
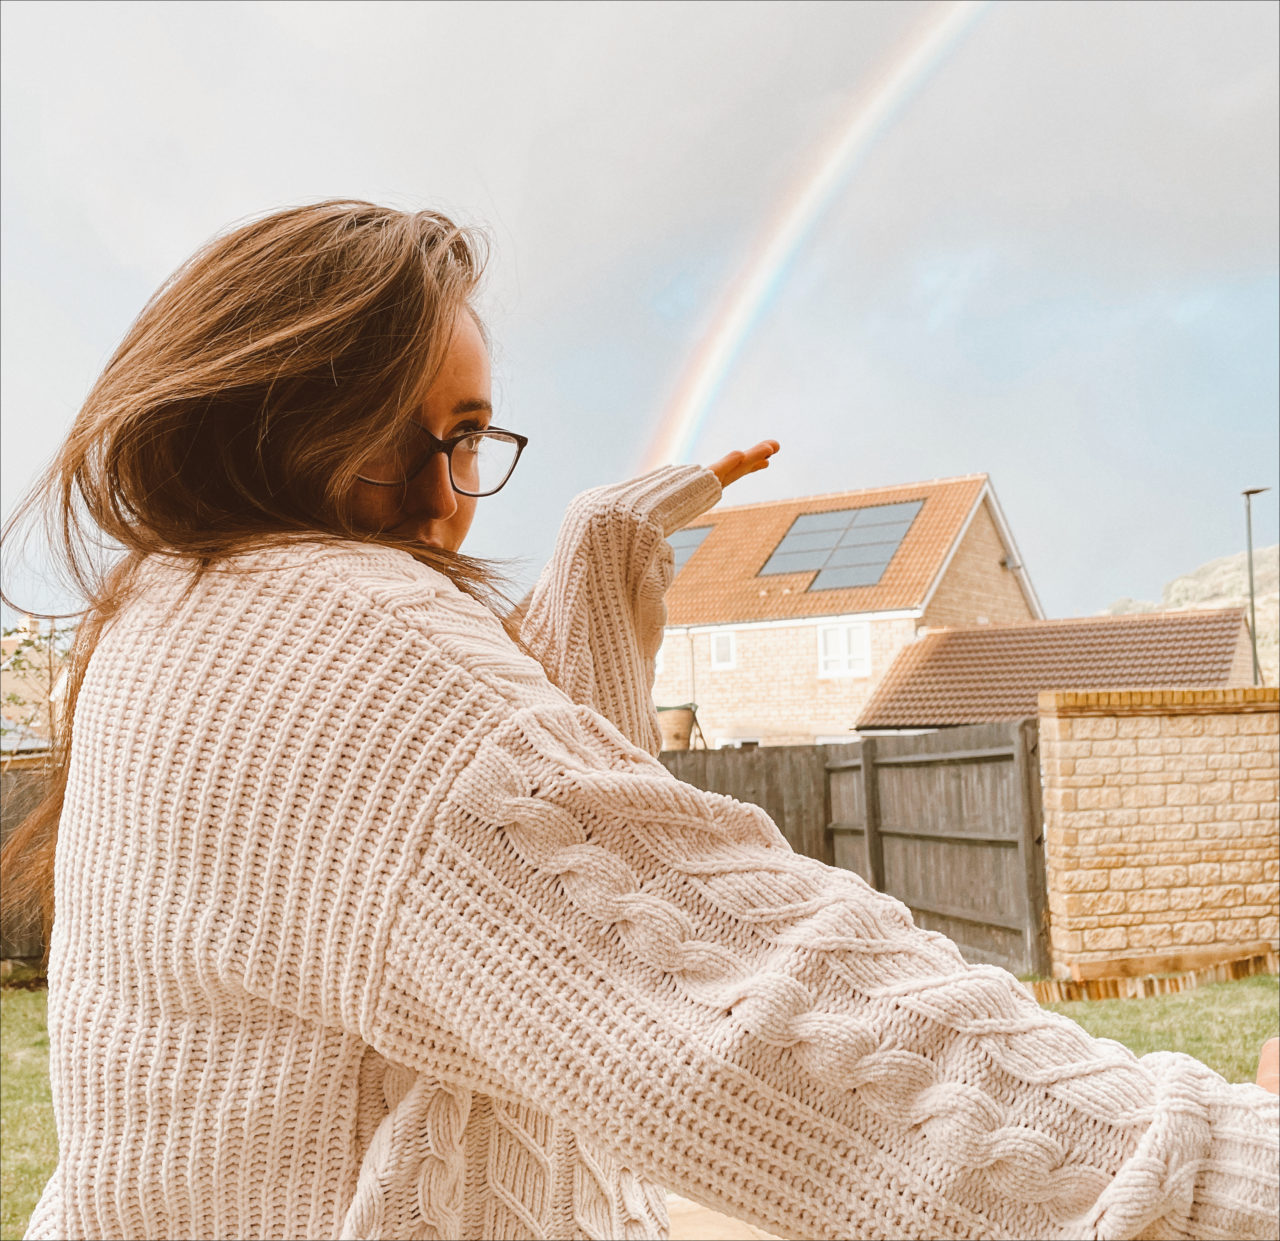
480 462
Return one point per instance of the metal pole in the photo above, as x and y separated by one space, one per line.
1253 608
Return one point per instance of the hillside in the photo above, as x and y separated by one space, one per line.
1224 583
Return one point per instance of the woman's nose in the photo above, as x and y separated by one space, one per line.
431 493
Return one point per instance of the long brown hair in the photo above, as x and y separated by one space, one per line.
235 415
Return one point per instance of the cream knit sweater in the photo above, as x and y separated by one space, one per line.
366 929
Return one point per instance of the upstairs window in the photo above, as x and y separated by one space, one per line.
724 652
844 650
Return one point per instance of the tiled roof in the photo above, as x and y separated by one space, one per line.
718 584
994 672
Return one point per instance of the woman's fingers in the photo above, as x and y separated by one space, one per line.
735 465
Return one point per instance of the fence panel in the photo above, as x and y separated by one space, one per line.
847 807
20 789
784 781
948 822
951 816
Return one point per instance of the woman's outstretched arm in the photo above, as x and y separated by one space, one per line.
653 965
595 618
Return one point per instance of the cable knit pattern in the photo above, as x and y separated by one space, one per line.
419 1140
371 926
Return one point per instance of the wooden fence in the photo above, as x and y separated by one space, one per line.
948 822
789 782
20 933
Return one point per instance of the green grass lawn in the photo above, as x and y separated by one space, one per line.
1223 1024
28 1144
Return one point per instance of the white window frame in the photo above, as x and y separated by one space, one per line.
852 655
722 665
735 743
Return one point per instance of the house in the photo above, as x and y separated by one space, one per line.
983 675
783 616
30 670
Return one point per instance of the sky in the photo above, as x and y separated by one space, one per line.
1055 261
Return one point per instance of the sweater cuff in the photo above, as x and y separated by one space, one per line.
1237 1188
1206 1165
672 495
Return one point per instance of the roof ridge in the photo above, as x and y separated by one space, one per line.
839 495
1103 618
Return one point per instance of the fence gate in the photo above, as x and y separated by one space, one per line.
951 824
948 822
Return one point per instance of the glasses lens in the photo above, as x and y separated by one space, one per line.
483 462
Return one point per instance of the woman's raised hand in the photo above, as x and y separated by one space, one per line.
736 465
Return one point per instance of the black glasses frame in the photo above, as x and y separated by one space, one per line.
447 446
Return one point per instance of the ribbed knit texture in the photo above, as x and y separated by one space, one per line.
367 929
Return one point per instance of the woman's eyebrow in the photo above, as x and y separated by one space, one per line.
474 406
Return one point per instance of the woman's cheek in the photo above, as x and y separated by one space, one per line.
373 511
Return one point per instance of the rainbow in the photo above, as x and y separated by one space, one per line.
874 112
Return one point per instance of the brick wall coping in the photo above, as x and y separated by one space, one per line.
1063 703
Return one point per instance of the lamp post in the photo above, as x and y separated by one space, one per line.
1253 610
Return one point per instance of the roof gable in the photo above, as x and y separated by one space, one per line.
720 581
995 672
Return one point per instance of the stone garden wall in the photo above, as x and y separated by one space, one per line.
1162 840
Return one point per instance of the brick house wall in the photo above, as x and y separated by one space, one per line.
1242 666
774 692
976 588
1161 843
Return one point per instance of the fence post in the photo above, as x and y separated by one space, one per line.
871 808
828 836
1027 752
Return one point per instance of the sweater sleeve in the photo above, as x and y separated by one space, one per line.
596 616
654 966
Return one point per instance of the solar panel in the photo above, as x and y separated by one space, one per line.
687 541
867 553
888 532
845 547
886 512
837 520
841 579
795 562
809 541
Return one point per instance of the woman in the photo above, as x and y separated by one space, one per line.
377 917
